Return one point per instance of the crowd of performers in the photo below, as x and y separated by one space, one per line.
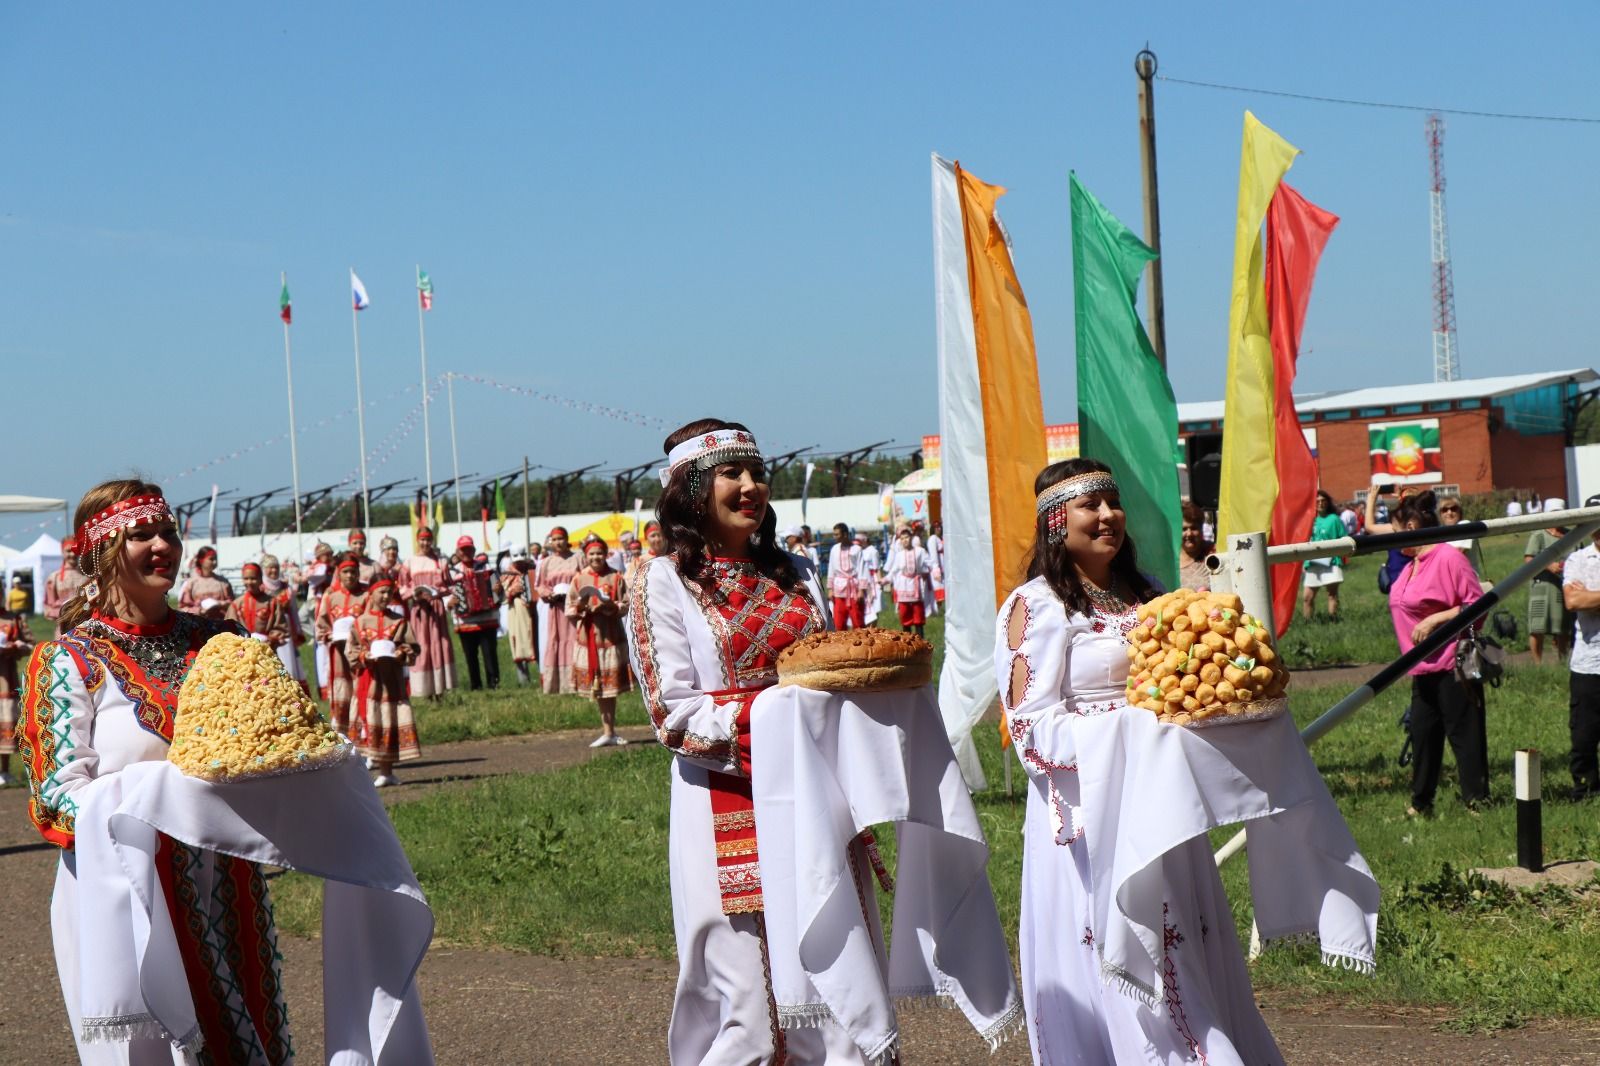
700 613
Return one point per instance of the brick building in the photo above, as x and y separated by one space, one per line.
1473 435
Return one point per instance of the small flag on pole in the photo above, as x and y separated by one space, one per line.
425 289
284 310
358 292
499 507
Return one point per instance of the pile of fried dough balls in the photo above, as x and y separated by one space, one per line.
1197 655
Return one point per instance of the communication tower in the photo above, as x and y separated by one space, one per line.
1446 362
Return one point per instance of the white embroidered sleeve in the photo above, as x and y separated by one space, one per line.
55 738
688 721
1032 644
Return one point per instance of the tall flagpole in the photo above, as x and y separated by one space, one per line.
294 446
455 456
427 438
361 414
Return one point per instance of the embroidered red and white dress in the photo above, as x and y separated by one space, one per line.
13 652
338 603
556 633
434 672
386 730
1052 670
95 700
701 652
600 644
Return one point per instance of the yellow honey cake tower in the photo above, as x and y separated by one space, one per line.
240 715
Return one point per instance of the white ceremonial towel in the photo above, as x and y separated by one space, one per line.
376 925
825 767
1149 787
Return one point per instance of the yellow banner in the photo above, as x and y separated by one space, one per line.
1008 373
1249 472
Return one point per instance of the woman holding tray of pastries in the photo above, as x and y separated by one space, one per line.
1060 653
706 623
100 698
596 606
381 646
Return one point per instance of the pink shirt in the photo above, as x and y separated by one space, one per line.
1434 582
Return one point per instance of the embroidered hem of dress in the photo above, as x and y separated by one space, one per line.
816 1015
1128 984
124 1028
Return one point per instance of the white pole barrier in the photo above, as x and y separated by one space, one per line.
1589 519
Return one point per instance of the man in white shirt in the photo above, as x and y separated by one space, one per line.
1581 591
868 567
844 583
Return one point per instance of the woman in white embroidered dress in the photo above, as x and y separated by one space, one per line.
706 623
99 698
1060 654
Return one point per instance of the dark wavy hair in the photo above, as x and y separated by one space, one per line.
1053 561
1422 508
683 519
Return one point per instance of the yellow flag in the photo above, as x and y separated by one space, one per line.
1008 372
1249 474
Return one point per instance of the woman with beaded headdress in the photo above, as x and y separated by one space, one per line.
706 623
1060 654
100 698
204 584
425 590
596 607
337 611
388 564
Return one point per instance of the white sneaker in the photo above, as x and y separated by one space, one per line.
6 780
601 741
372 764
384 781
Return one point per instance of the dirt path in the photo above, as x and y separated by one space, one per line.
499 1007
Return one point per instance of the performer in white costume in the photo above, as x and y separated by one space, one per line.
1060 653
706 623
868 564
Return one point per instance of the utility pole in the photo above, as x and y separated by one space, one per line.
1144 65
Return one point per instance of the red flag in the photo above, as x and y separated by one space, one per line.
1297 231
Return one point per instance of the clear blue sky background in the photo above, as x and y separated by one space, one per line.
723 209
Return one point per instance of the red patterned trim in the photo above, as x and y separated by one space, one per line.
1173 998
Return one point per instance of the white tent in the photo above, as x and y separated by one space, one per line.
30 504
39 560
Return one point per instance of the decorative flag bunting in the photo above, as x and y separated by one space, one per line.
617 413
1249 483
358 293
424 289
284 311
991 425
1127 417
1297 231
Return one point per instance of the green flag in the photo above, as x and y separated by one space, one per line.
499 507
1127 417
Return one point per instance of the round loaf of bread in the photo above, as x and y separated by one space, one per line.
857 660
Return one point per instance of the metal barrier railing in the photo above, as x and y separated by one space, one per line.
1246 567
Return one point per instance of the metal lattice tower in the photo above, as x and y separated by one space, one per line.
1446 362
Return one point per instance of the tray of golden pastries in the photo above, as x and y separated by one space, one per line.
857 660
241 716
1196 659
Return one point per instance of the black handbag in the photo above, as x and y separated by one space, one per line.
1479 657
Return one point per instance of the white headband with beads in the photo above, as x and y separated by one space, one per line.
711 449
1052 502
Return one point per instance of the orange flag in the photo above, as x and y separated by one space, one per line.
1008 371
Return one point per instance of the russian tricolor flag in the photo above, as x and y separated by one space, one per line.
358 292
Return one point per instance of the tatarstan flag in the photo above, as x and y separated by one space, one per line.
1405 453
284 311
424 289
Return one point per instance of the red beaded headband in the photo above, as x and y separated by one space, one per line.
134 511
381 583
349 564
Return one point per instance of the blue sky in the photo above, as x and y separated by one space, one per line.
712 208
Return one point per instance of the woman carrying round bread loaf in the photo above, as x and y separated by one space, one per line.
97 699
706 623
1060 653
